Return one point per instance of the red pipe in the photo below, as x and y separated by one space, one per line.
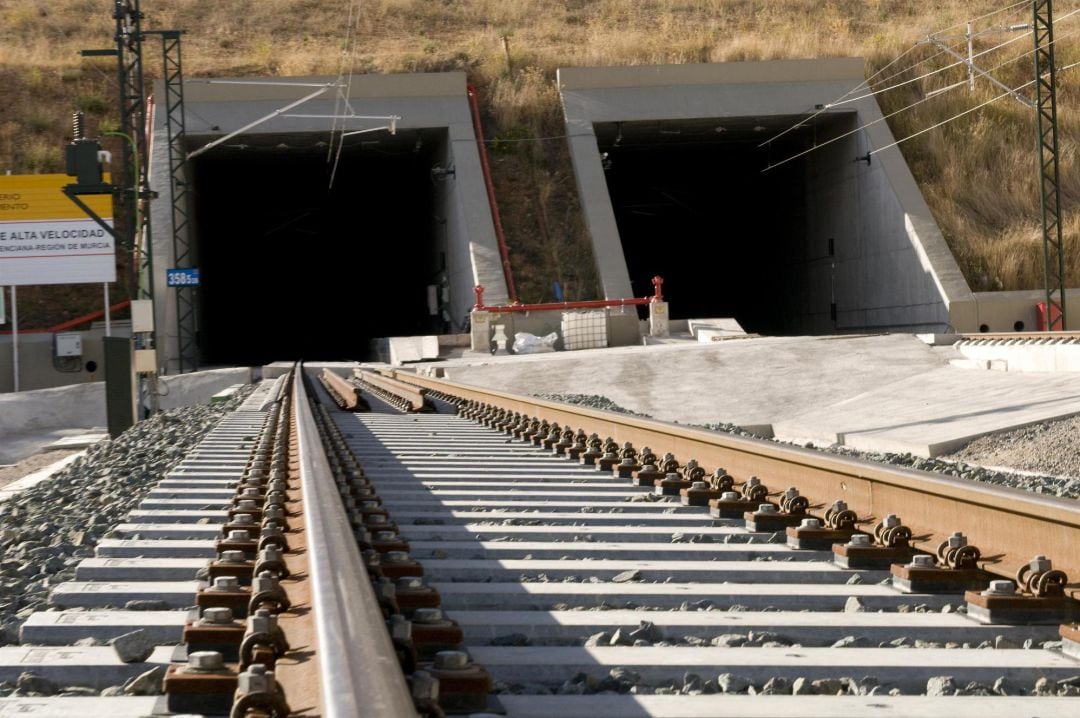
657 296
481 147
72 323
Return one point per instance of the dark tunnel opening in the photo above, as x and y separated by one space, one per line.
294 267
693 205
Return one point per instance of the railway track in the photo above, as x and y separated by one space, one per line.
410 561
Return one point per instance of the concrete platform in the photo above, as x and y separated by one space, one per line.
888 392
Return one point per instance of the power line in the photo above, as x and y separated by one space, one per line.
929 96
947 67
864 83
958 63
965 112
867 81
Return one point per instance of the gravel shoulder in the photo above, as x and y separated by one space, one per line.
1048 448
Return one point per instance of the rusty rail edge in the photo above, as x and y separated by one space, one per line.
1010 526
358 667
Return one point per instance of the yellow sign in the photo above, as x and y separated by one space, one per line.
45 238
29 197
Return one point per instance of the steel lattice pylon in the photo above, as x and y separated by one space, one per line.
1049 187
183 257
133 116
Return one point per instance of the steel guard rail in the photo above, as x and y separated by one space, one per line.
358 667
1009 525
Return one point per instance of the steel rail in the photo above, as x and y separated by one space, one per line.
1009 525
359 672
394 386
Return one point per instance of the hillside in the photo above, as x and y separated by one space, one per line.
977 173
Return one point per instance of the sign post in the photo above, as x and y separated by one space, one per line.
15 335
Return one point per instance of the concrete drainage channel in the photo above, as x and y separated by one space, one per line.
110 640
578 593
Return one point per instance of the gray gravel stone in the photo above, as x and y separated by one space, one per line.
731 683
133 647
941 686
627 576
827 686
146 684
31 684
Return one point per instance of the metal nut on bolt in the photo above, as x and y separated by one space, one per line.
216 616
922 560
225 584
427 615
451 660
1000 588
766 509
232 557
810 523
1040 564
861 540
204 662
400 627
699 485
396 556
729 496
256 679
239 535
243 519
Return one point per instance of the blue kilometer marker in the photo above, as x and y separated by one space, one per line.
182 277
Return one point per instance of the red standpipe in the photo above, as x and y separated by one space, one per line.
504 252
72 323
658 296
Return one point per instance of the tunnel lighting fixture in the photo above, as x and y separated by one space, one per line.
618 135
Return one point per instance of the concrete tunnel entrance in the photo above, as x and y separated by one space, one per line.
668 161
734 236
393 248
292 267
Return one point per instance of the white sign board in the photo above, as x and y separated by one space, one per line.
46 239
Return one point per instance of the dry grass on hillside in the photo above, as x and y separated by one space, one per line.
976 173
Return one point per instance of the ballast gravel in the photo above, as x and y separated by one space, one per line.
1042 458
48 529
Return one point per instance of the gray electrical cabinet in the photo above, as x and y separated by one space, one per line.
121 393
